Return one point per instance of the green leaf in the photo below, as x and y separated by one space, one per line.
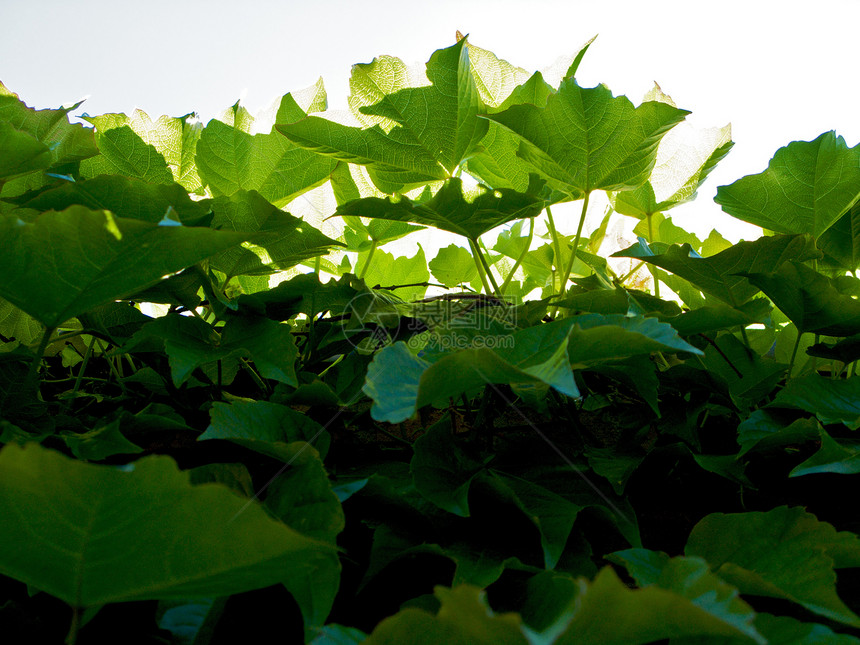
784 553
400 383
333 634
832 401
585 139
595 338
303 499
230 160
285 240
65 263
779 630
763 430
270 345
421 134
454 265
443 470
100 443
809 299
174 139
688 601
21 153
496 162
718 317
551 513
264 427
14 323
464 618
387 271
685 158
807 187
69 526
721 275
450 210
690 578
750 377
124 197
841 457
68 142
124 152
841 242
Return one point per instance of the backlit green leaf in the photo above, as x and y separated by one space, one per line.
807 187
284 241
230 160
585 139
65 263
831 400
437 125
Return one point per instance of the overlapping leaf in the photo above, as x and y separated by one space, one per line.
809 299
67 262
159 151
450 210
284 241
721 275
124 197
437 125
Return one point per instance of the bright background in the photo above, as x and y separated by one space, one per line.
777 70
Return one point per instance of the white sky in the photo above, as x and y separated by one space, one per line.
777 70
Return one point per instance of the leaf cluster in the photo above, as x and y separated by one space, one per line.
224 412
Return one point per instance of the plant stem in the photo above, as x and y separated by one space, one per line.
477 257
72 636
33 372
367 263
566 275
84 363
652 268
522 255
794 353
556 245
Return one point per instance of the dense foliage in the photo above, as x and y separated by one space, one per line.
220 419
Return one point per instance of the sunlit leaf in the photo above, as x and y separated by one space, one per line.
67 262
585 139
807 187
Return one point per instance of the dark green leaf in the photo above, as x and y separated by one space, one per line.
464 618
450 210
721 275
265 427
783 553
831 400
809 299
188 541
443 470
